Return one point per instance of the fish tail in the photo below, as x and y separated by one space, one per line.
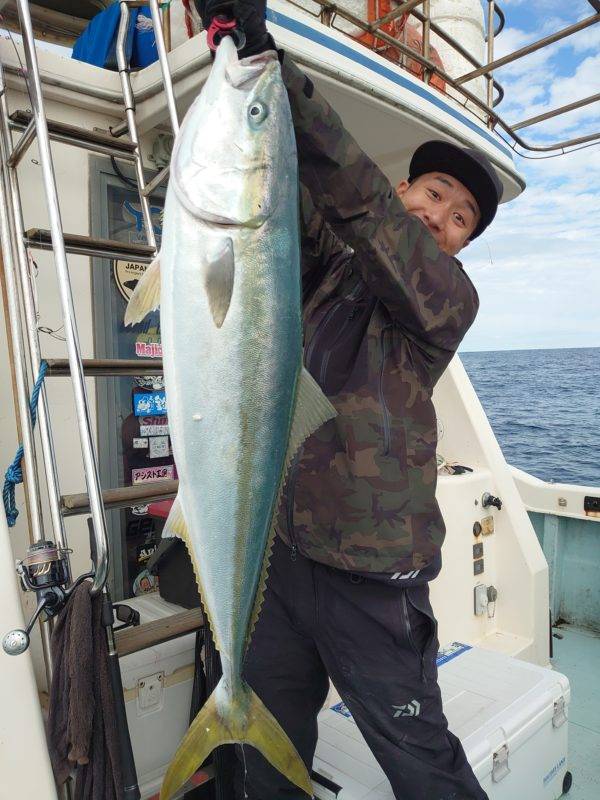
240 718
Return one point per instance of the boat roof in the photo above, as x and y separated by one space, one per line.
388 110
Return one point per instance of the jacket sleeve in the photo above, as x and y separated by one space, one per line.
321 249
426 292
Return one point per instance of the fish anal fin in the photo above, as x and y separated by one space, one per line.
219 271
146 295
175 524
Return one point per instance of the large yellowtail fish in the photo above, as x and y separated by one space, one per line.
240 402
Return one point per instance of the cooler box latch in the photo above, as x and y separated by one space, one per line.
559 717
500 767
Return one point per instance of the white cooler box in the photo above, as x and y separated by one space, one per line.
511 717
157 683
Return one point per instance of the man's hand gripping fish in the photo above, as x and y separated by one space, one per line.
240 402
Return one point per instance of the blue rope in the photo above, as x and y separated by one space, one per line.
14 474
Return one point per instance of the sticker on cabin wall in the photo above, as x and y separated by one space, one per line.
153 474
153 426
158 446
146 349
140 443
148 343
127 275
144 583
149 403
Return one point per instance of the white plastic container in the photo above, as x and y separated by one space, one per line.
157 684
510 716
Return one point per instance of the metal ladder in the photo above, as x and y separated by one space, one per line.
27 354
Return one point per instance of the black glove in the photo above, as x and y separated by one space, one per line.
249 15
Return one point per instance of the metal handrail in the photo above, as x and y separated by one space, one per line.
501 22
330 11
531 48
67 303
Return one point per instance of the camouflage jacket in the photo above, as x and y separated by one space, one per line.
384 312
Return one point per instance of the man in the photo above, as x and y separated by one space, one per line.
386 305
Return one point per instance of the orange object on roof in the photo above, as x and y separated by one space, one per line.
408 33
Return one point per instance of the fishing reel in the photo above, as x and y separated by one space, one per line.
45 571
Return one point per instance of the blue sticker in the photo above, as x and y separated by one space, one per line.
451 651
149 404
340 708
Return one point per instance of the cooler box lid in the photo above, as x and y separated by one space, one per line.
165 657
490 700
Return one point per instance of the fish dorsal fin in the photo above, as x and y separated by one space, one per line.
312 410
219 271
146 295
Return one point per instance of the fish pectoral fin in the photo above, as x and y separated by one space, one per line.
241 718
175 524
146 295
312 410
219 271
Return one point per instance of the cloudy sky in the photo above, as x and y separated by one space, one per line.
537 269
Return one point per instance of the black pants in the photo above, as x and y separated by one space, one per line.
378 644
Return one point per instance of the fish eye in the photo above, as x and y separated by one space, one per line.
257 113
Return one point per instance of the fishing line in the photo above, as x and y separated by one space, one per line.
33 272
245 771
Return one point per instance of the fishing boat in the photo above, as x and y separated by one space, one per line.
85 153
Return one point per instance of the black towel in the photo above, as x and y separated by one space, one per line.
82 733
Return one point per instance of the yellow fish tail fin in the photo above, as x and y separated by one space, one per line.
242 719
267 735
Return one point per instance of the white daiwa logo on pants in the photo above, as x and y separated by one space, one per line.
412 709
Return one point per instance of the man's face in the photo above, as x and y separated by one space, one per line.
444 205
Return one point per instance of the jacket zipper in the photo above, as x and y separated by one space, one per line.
290 504
322 323
384 408
327 353
409 636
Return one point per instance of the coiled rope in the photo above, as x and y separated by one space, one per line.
14 474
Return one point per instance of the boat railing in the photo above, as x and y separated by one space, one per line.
379 28
380 34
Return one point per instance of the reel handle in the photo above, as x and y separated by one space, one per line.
17 641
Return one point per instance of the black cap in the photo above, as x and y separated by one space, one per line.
469 166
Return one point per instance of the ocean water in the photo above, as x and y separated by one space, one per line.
544 407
